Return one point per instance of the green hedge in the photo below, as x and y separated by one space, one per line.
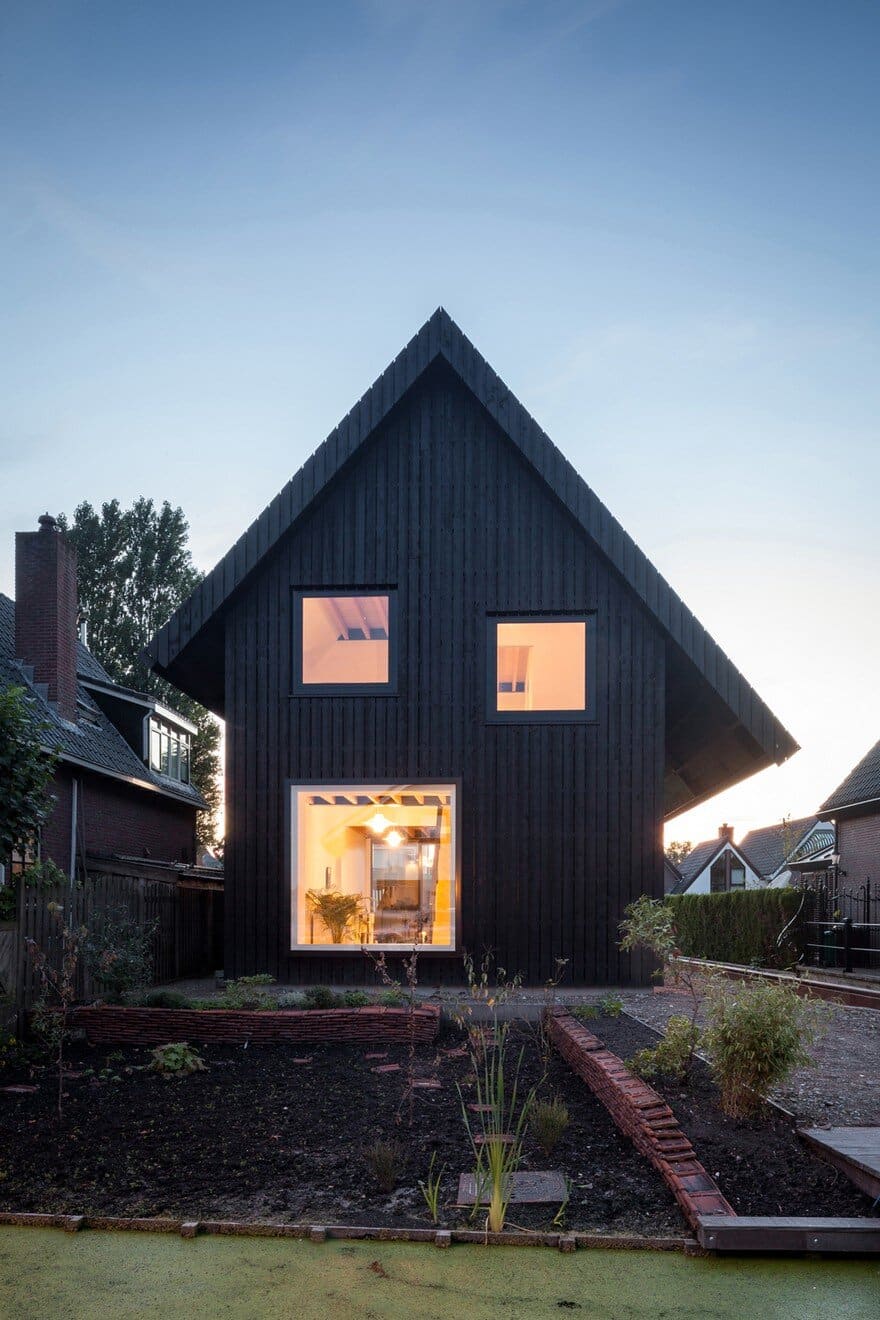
740 927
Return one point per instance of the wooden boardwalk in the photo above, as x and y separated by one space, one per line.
853 1150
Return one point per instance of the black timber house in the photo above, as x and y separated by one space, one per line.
459 701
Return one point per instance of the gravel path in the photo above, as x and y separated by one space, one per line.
844 1086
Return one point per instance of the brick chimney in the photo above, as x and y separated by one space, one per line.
726 832
45 611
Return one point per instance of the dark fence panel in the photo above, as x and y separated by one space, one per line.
184 914
844 931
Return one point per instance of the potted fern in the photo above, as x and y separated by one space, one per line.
337 911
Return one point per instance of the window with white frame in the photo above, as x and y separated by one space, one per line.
373 865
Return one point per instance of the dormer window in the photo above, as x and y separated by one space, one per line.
169 751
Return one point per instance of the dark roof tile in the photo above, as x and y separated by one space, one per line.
93 741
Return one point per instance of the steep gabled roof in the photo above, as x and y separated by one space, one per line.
861 786
696 861
718 728
93 742
769 846
702 855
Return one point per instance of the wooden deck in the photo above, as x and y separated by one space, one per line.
853 1150
772 1233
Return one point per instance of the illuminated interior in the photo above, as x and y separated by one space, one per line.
373 865
345 639
541 666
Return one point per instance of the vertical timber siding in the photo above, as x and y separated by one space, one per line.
559 824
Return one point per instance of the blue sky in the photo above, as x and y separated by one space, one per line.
657 219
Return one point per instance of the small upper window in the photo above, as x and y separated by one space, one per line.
539 669
344 641
169 751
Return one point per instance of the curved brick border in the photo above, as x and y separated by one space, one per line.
642 1114
111 1024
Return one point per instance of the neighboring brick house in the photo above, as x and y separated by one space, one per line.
854 806
121 785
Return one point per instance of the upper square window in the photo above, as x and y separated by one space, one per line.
540 669
344 641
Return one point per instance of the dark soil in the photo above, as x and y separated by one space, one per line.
260 1136
760 1164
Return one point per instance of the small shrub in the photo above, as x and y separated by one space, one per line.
611 1006
549 1122
203 1005
585 1012
430 1188
321 996
247 993
384 1159
176 1060
292 1000
757 1036
356 999
118 953
157 998
392 998
672 1056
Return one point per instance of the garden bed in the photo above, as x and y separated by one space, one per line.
272 1133
760 1163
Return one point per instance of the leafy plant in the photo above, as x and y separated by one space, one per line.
757 1036
549 1121
650 924
356 999
292 1000
337 911
118 952
673 1055
177 1059
611 1005
321 996
58 990
384 1159
585 1012
431 1187
26 772
394 998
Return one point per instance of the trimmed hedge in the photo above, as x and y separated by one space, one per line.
741 927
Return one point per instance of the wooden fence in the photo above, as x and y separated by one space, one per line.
185 911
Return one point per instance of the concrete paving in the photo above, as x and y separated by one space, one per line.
119 1276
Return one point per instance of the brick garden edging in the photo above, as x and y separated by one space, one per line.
642 1115
112 1024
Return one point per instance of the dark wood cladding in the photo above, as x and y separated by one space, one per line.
559 824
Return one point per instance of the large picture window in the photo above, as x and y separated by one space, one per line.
540 668
373 865
344 642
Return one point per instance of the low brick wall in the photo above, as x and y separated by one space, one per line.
110 1024
642 1115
